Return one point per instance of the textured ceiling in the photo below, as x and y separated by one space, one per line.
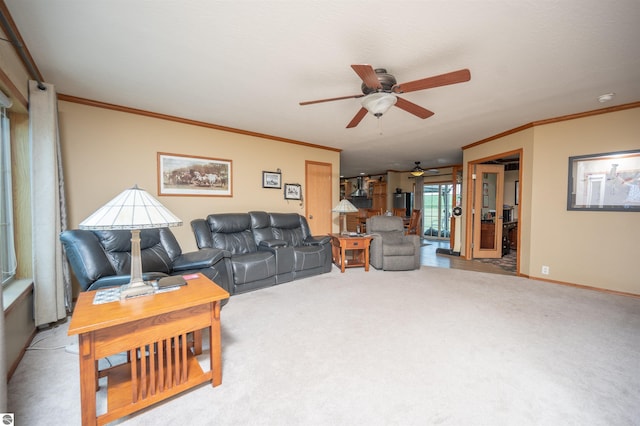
247 65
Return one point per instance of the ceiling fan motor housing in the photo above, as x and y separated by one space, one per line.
386 80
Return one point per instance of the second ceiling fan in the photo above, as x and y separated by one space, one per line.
380 89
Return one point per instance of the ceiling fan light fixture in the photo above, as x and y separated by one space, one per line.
417 170
379 103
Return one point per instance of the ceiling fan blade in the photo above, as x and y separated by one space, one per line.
357 119
368 75
436 81
412 108
331 99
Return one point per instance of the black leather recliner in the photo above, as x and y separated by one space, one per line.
312 254
102 258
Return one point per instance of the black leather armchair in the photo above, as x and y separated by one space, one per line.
102 258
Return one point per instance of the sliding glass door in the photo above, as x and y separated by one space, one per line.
438 203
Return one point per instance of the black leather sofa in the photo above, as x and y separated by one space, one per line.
102 258
265 248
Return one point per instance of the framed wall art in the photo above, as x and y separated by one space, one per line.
189 175
604 182
271 180
292 191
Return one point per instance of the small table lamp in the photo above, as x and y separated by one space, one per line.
343 207
133 209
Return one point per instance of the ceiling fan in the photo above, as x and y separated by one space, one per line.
380 89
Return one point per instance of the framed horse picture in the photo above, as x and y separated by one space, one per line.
188 175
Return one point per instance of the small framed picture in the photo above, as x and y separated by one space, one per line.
292 191
271 180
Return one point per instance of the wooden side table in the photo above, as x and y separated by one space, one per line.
357 248
153 331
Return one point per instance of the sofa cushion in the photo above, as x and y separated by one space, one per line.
261 226
232 232
287 227
253 267
117 247
398 249
309 257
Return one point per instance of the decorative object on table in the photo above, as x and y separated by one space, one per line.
605 182
194 176
292 191
344 207
133 209
272 179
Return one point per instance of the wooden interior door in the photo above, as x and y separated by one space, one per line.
318 197
487 211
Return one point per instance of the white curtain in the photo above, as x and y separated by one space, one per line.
3 367
48 213
3 353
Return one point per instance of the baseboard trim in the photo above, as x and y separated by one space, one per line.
584 287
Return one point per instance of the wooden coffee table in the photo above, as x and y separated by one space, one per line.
152 330
350 251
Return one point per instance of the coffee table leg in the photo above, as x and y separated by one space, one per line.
366 259
88 377
215 346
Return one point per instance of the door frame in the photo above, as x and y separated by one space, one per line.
468 195
477 251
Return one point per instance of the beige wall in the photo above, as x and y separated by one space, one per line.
596 249
106 151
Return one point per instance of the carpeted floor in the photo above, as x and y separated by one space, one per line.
428 347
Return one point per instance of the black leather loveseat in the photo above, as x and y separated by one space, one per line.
265 248
102 258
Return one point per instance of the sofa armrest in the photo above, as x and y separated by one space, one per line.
317 240
200 259
272 244
282 251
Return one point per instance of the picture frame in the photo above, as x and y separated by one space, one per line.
607 181
292 191
191 175
271 180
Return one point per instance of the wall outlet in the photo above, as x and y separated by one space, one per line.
545 270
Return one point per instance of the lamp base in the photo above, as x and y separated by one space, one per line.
136 289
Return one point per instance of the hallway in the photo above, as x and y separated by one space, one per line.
429 257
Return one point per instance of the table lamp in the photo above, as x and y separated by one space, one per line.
134 209
344 207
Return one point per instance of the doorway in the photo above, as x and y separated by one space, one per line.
502 218
318 197
438 203
488 194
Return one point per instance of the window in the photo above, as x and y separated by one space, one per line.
7 250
